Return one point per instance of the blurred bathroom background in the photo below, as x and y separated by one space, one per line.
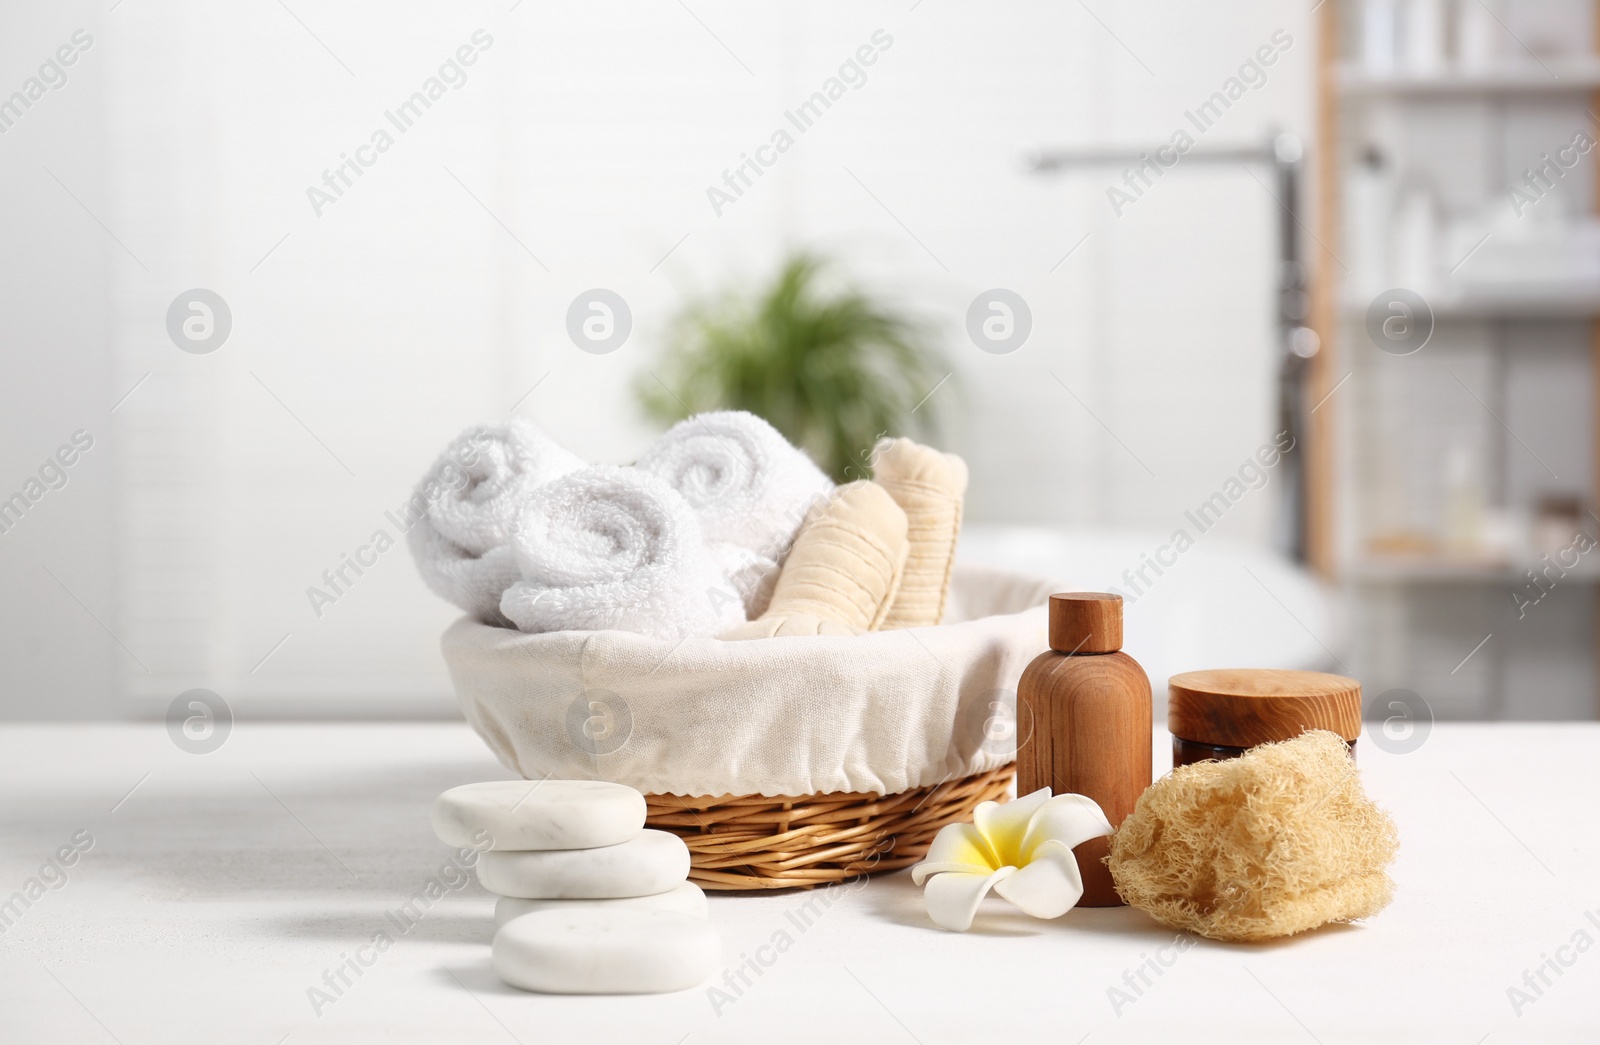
265 285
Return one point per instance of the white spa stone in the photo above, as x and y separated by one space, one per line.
650 862
685 898
533 814
584 949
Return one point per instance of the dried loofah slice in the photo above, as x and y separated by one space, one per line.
1278 841
930 486
843 570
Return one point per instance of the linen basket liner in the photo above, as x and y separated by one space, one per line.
878 713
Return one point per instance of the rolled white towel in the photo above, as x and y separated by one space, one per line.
463 511
473 582
609 548
748 576
745 481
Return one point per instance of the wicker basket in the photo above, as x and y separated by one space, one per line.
885 736
751 842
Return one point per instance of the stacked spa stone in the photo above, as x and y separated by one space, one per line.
590 901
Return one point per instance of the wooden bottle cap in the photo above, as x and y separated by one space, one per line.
1243 707
1085 622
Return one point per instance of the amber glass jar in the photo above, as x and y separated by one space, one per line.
1222 714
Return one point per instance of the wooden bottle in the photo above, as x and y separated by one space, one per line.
1090 711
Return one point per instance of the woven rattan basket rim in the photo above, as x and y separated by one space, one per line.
752 842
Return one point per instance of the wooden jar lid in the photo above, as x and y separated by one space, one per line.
1243 707
1086 622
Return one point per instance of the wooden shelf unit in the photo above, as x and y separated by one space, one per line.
1342 86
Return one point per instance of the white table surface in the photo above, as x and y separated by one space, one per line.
209 904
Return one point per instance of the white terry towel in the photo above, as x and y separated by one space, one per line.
463 511
748 485
609 548
749 576
473 582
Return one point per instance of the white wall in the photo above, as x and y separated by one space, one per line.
55 659
230 481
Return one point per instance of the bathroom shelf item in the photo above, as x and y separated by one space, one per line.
1421 570
1559 78
1532 303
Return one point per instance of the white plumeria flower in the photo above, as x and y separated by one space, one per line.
1022 850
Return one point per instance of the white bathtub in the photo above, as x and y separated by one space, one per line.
1221 605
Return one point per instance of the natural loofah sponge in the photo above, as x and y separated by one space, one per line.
1277 841
930 486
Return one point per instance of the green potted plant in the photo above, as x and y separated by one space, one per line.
831 367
